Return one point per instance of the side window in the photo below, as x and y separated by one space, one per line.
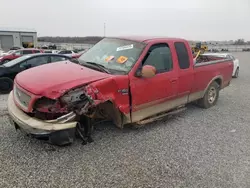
27 51
182 54
57 58
37 51
159 56
36 61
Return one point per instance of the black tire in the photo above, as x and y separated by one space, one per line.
236 74
6 85
211 96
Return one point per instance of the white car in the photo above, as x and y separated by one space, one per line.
229 56
67 52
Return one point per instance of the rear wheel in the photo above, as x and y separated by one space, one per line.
236 74
211 96
6 85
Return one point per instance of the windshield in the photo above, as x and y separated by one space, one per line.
114 54
15 61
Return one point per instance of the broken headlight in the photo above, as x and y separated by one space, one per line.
46 105
74 96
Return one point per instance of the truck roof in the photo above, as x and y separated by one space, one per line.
147 39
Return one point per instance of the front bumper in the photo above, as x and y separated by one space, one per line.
61 130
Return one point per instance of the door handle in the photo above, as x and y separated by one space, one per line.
173 81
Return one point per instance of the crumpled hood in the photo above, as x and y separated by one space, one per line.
54 79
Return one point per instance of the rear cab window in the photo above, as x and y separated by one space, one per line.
182 55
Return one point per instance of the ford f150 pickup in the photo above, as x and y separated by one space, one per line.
129 80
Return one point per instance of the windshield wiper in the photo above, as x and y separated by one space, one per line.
103 68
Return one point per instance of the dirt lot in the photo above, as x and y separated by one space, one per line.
197 148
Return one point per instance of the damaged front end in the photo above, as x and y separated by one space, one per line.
84 105
77 102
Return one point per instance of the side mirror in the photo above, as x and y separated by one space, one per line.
147 71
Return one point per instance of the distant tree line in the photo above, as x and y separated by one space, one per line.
86 40
95 39
241 42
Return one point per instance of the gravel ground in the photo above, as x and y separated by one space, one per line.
197 148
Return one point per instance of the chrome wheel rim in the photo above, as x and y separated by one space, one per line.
212 95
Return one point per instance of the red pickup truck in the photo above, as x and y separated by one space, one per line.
129 80
18 53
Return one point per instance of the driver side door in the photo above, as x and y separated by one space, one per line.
154 95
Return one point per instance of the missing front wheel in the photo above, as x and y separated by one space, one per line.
84 129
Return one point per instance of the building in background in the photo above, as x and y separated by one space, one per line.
24 38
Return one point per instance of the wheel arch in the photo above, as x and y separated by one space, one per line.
108 110
218 79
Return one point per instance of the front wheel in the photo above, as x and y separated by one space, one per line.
6 85
236 74
211 96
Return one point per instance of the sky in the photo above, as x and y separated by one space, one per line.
189 19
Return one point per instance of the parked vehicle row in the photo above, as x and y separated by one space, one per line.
15 61
59 100
14 54
9 70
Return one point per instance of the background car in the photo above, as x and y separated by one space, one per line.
18 53
51 51
236 69
67 52
9 70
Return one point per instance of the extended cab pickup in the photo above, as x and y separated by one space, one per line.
127 80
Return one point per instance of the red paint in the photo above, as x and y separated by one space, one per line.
53 80
109 90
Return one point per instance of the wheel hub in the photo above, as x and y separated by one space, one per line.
212 95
